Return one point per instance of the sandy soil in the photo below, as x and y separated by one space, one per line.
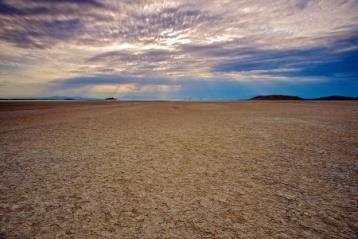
179 170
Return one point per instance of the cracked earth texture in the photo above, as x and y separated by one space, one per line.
179 169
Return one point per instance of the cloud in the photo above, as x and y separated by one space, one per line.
107 80
8 9
131 42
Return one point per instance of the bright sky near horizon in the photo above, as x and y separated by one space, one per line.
162 49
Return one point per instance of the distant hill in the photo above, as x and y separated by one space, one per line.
61 98
336 97
276 97
111 98
289 97
50 98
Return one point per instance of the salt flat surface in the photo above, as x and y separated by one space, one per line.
178 169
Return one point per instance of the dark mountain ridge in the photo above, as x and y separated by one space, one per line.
289 97
276 97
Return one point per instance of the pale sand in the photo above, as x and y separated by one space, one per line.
179 170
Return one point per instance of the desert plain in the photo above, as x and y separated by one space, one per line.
109 169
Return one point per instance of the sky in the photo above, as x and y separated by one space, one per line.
163 49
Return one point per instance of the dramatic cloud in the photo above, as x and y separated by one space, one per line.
174 49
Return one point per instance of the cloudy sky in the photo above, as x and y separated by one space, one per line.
159 49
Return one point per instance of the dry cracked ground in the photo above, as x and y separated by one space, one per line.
178 169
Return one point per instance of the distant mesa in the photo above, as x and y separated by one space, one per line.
111 98
336 97
289 97
276 97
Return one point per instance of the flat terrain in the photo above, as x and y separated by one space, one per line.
179 169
